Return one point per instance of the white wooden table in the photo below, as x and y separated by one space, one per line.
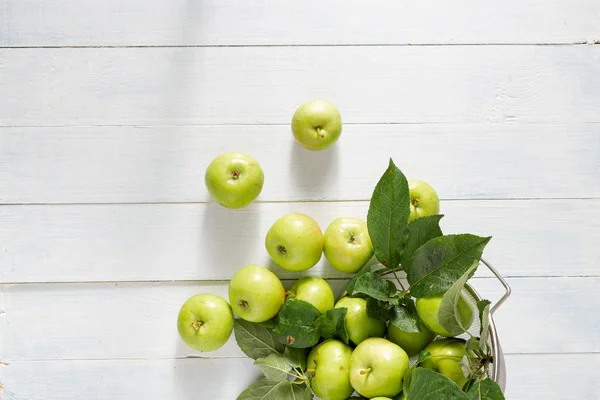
111 110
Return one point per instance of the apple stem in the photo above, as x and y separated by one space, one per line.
197 325
365 371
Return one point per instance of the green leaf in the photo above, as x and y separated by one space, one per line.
441 261
484 317
372 285
296 323
265 389
426 384
486 389
254 340
387 219
406 317
381 310
308 395
448 314
422 356
275 367
332 324
296 357
420 231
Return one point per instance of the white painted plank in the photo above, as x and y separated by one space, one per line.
531 377
175 86
159 164
220 22
208 242
101 321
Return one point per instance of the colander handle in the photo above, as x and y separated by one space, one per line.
504 283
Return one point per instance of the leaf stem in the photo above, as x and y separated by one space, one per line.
398 279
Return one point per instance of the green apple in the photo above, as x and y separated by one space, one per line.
316 124
205 322
328 365
234 180
315 290
358 324
295 242
411 342
377 368
446 356
255 293
428 308
424 199
347 244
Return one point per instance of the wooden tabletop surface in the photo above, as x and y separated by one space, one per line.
111 110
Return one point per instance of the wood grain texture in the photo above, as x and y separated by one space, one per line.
127 321
531 377
254 85
238 22
190 241
167 164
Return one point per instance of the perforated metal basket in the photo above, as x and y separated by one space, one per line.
497 370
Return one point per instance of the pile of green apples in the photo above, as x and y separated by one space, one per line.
305 340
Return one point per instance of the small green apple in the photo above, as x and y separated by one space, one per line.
347 244
234 180
358 324
428 308
328 364
315 290
255 293
424 199
411 342
295 242
316 124
446 356
377 368
205 322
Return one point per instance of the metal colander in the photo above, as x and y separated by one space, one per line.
497 370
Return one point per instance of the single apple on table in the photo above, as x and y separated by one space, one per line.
411 342
377 368
358 324
428 309
255 293
295 242
424 200
234 180
347 244
314 290
446 356
205 322
316 124
328 365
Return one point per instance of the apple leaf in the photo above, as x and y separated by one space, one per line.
254 340
484 317
406 317
448 314
265 389
485 389
332 324
441 261
387 219
308 395
420 231
381 310
296 323
372 285
422 356
296 357
275 367
426 384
